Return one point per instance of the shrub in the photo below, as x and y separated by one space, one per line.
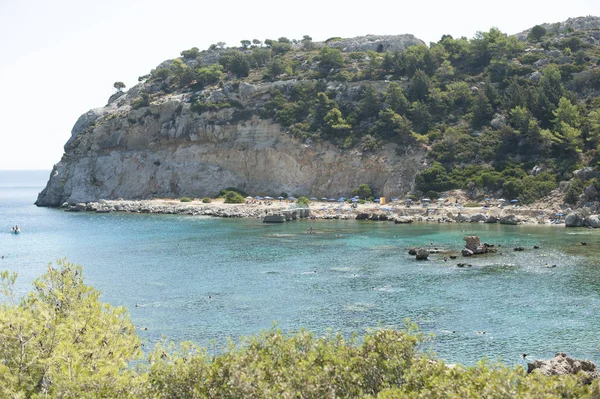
231 197
61 341
142 101
574 191
303 202
206 200
185 199
235 190
363 191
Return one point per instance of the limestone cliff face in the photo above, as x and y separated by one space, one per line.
167 150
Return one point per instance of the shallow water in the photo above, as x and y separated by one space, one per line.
204 279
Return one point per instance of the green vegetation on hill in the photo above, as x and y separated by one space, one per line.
488 109
62 342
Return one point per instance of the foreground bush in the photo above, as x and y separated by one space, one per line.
62 342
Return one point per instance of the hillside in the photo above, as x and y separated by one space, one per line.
497 115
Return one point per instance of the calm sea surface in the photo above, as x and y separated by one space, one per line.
204 279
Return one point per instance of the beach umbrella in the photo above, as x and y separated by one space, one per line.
331 199
441 200
514 201
268 198
431 210
354 200
560 214
248 197
324 198
259 198
426 199
341 199
313 199
501 200
487 199
280 197
292 198
376 200
408 200
395 199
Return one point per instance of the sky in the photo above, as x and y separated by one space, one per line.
60 58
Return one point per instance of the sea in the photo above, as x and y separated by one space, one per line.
204 279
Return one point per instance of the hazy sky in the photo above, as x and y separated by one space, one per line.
60 58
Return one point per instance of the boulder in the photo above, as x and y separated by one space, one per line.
422 254
592 221
482 249
509 219
590 192
574 219
498 121
586 173
478 217
472 242
466 252
403 220
412 251
492 219
362 216
462 218
561 364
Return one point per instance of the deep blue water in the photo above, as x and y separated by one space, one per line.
203 279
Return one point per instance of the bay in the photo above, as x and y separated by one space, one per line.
206 279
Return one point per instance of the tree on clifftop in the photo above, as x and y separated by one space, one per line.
119 86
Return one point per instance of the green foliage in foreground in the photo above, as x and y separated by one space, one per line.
62 342
185 199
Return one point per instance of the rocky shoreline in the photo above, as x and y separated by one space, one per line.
373 212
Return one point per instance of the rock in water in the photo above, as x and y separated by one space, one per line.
509 219
574 219
422 254
561 364
592 221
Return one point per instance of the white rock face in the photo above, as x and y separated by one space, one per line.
166 150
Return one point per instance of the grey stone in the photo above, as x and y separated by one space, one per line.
592 221
422 254
467 252
378 43
574 220
491 219
561 364
509 219
498 121
586 173
478 217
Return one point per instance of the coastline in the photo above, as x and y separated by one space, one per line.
394 212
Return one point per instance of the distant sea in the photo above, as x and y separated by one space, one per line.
204 279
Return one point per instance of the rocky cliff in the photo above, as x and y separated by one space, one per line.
166 149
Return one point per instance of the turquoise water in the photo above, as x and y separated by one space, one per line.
204 279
